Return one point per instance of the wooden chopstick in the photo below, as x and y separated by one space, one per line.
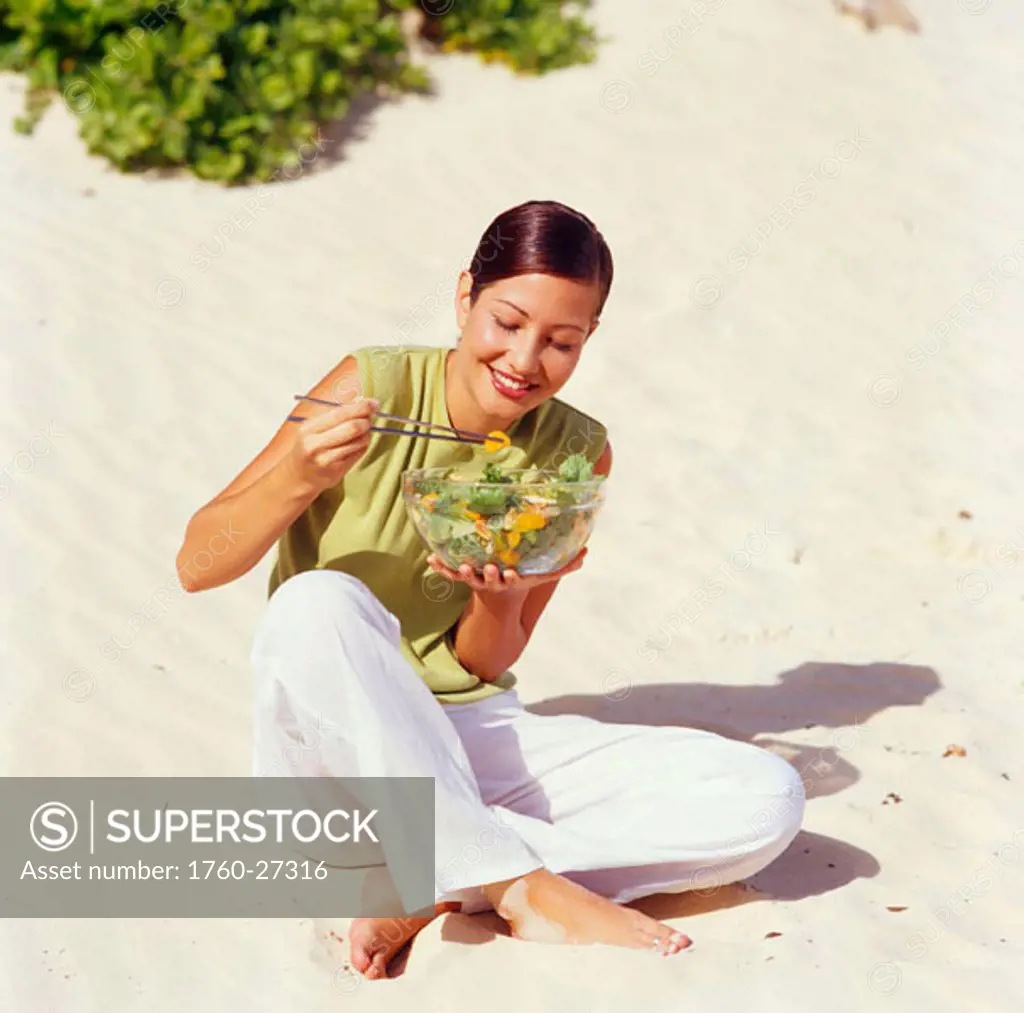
480 437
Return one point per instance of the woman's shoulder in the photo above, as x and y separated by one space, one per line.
388 370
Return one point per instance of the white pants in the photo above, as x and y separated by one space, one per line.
625 810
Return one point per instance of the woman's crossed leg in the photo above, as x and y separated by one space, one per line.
579 816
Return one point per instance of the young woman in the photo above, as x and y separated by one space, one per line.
401 666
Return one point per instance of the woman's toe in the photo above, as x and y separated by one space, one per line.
378 967
368 963
668 941
680 941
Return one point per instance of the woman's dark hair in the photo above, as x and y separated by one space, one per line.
542 237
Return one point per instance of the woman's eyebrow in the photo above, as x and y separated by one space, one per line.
519 309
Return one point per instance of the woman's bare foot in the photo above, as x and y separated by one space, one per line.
547 908
376 941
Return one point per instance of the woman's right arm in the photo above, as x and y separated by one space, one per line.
233 532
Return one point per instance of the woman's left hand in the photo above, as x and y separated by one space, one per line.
495 580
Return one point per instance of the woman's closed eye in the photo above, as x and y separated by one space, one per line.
565 346
511 327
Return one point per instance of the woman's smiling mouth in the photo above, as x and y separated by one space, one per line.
509 386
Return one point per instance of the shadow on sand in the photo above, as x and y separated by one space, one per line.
842 698
817 694
824 695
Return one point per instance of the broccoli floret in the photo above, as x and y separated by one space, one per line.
492 473
487 501
575 468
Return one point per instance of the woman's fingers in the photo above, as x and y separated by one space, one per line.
491 578
332 455
434 562
345 427
478 582
344 433
329 441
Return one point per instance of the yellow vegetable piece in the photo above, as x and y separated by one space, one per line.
496 440
471 515
429 500
509 556
529 522
513 538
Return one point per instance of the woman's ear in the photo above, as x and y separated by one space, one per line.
463 299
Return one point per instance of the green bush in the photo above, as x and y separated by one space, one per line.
529 35
234 89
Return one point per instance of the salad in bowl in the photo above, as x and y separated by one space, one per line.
529 520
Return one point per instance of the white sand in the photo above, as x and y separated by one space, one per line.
895 634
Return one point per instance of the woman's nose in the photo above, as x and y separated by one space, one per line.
524 355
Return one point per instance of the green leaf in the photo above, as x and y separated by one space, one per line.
440 528
254 37
277 90
330 82
304 69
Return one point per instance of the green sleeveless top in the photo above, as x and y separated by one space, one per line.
361 527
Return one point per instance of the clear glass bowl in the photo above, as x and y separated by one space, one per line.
534 523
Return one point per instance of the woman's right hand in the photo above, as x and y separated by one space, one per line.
329 442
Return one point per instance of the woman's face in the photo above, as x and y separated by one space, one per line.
522 338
